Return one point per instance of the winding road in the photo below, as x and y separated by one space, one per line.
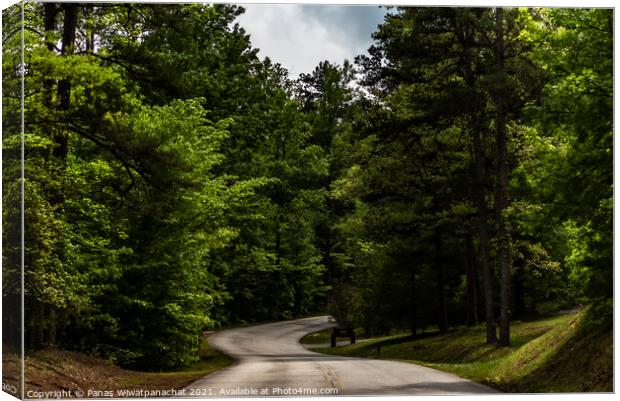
272 362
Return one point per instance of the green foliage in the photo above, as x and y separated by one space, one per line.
573 126
599 317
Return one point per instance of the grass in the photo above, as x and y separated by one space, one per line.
325 336
546 355
319 337
52 369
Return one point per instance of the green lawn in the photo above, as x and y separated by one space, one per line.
546 355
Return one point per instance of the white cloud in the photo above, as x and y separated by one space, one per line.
299 37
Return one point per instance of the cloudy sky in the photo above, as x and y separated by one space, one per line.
300 36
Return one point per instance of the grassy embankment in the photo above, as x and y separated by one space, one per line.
325 337
319 337
546 355
52 369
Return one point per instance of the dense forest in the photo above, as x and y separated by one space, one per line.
458 173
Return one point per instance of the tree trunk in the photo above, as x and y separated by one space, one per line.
49 25
280 154
64 85
37 334
414 310
472 282
501 198
442 322
520 310
89 10
278 244
483 235
51 338
479 199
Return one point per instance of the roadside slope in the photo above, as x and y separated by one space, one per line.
547 355
56 370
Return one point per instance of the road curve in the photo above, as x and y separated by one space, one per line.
272 362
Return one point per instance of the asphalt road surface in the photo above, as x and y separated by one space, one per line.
272 362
